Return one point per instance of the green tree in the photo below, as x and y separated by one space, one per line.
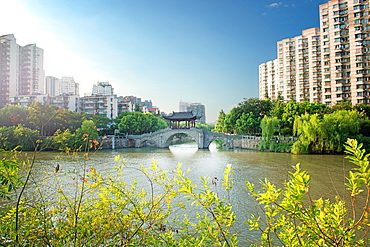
18 136
327 134
105 125
65 119
83 139
205 126
42 116
247 124
268 126
257 107
156 122
343 105
13 115
220 124
137 123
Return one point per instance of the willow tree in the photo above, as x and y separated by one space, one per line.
268 126
309 128
326 134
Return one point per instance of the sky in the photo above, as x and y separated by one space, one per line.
166 51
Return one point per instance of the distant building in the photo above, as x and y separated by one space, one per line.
22 71
147 103
124 106
69 102
183 106
198 110
26 100
104 105
102 88
64 86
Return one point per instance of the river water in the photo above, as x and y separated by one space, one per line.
327 171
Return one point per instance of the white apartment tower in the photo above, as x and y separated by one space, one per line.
268 80
31 70
64 86
21 71
296 73
67 85
299 68
329 66
9 73
345 27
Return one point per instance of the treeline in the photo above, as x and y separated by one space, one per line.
320 129
63 129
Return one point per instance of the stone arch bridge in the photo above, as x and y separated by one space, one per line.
163 138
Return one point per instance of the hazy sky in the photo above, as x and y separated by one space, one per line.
203 51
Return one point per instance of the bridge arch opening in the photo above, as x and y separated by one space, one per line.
216 145
181 139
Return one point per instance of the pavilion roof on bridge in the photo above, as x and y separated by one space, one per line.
181 116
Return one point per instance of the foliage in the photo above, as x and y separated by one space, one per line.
137 123
84 138
268 126
220 124
247 124
106 211
105 125
41 117
13 115
292 218
205 126
343 105
18 136
328 134
9 178
253 110
286 113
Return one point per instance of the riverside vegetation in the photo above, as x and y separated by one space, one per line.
319 128
316 128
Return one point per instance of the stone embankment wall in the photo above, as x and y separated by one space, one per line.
248 142
107 142
253 142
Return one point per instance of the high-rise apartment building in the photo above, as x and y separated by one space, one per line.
329 66
345 51
9 73
299 70
21 71
31 61
269 79
296 73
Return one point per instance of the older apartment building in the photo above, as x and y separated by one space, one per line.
325 65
